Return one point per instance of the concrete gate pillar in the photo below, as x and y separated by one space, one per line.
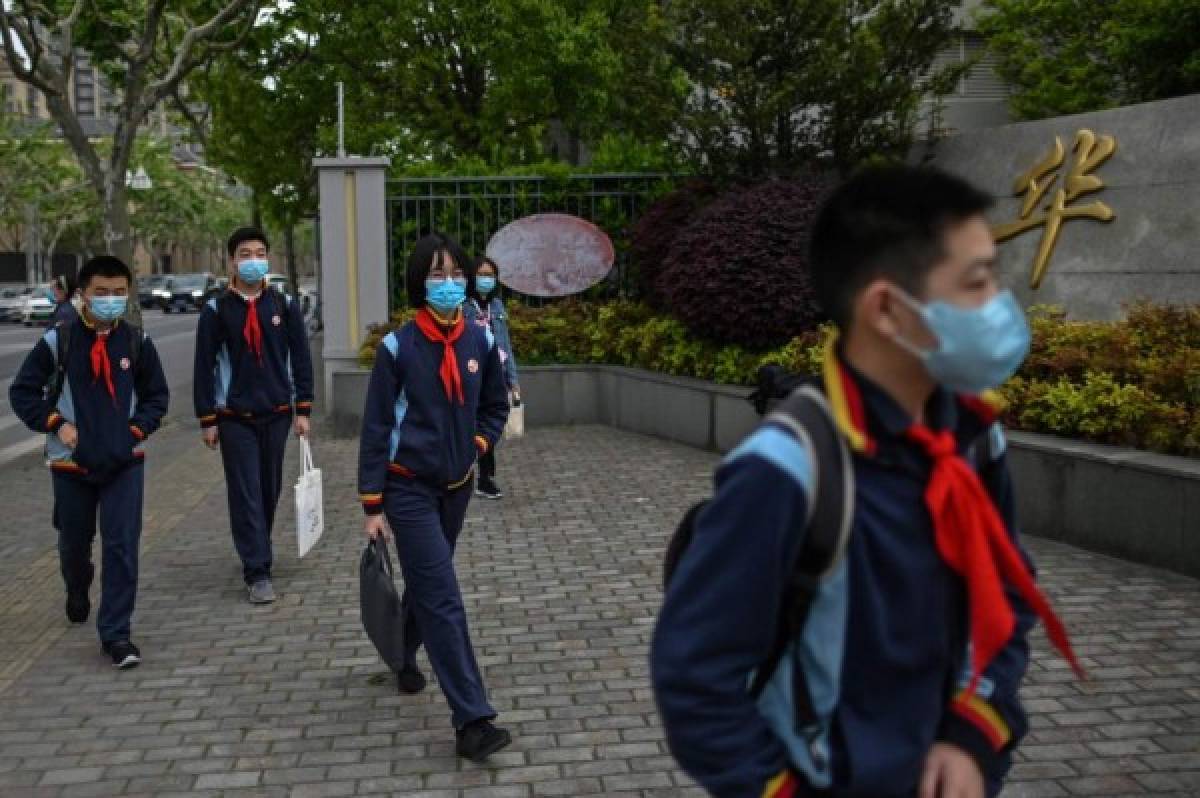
354 258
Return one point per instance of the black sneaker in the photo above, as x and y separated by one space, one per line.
124 654
480 739
488 489
410 680
79 606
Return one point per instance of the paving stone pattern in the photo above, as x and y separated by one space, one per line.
561 582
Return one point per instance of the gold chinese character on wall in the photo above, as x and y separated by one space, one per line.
1090 151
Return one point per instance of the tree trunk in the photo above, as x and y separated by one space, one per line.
289 254
118 240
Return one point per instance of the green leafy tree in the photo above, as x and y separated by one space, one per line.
1073 56
146 49
441 81
272 104
780 83
44 198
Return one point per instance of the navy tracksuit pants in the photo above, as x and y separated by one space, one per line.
425 523
116 506
252 452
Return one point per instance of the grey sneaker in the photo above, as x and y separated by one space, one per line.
261 592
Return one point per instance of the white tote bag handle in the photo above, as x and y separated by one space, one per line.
306 457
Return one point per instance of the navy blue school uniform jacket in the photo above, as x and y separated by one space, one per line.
886 642
230 380
411 429
112 425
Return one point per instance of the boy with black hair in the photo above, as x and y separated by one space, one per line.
253 384
903 678
64 293
95 386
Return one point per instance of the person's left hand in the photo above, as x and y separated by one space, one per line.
950 772
303 425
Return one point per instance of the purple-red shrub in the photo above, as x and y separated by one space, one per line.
658 227
739 272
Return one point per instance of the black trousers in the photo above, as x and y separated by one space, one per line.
253 457
487 464
115 507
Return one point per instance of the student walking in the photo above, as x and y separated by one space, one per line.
899 676
253 384
64 305
436 402
485 308
95 386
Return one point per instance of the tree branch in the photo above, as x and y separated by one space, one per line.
36 74
67 34
185 59
197 124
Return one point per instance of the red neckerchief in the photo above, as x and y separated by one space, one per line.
101 366
969 534
252 332
434 331
972 539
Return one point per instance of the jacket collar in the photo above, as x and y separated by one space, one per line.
866 414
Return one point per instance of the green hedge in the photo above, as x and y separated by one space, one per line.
1134 382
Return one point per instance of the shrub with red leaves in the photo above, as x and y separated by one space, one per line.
657 228
739 272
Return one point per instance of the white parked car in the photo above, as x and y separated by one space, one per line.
39 306
12 303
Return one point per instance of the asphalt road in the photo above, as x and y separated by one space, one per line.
173 335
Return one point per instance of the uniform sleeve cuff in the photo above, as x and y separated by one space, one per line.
208 421
53 422
372 503
304 408
974 726
785 785
482 444
137 432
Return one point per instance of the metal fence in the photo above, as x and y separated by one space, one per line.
472 209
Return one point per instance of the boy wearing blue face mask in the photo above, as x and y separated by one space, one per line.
95 386
485 308
253 385
903 678
435 404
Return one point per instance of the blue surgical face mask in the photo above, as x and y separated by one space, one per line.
252 270
107 308
486 285
978 348
445 296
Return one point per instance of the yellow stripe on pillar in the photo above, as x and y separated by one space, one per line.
351 189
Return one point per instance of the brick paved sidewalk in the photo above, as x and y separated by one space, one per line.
561 585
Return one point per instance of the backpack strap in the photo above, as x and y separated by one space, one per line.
62 350
807 415
137 336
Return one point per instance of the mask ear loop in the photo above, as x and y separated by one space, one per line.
919 309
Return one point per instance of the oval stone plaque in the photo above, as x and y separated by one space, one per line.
551 254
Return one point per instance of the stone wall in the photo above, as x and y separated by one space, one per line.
1123 502
1152 184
